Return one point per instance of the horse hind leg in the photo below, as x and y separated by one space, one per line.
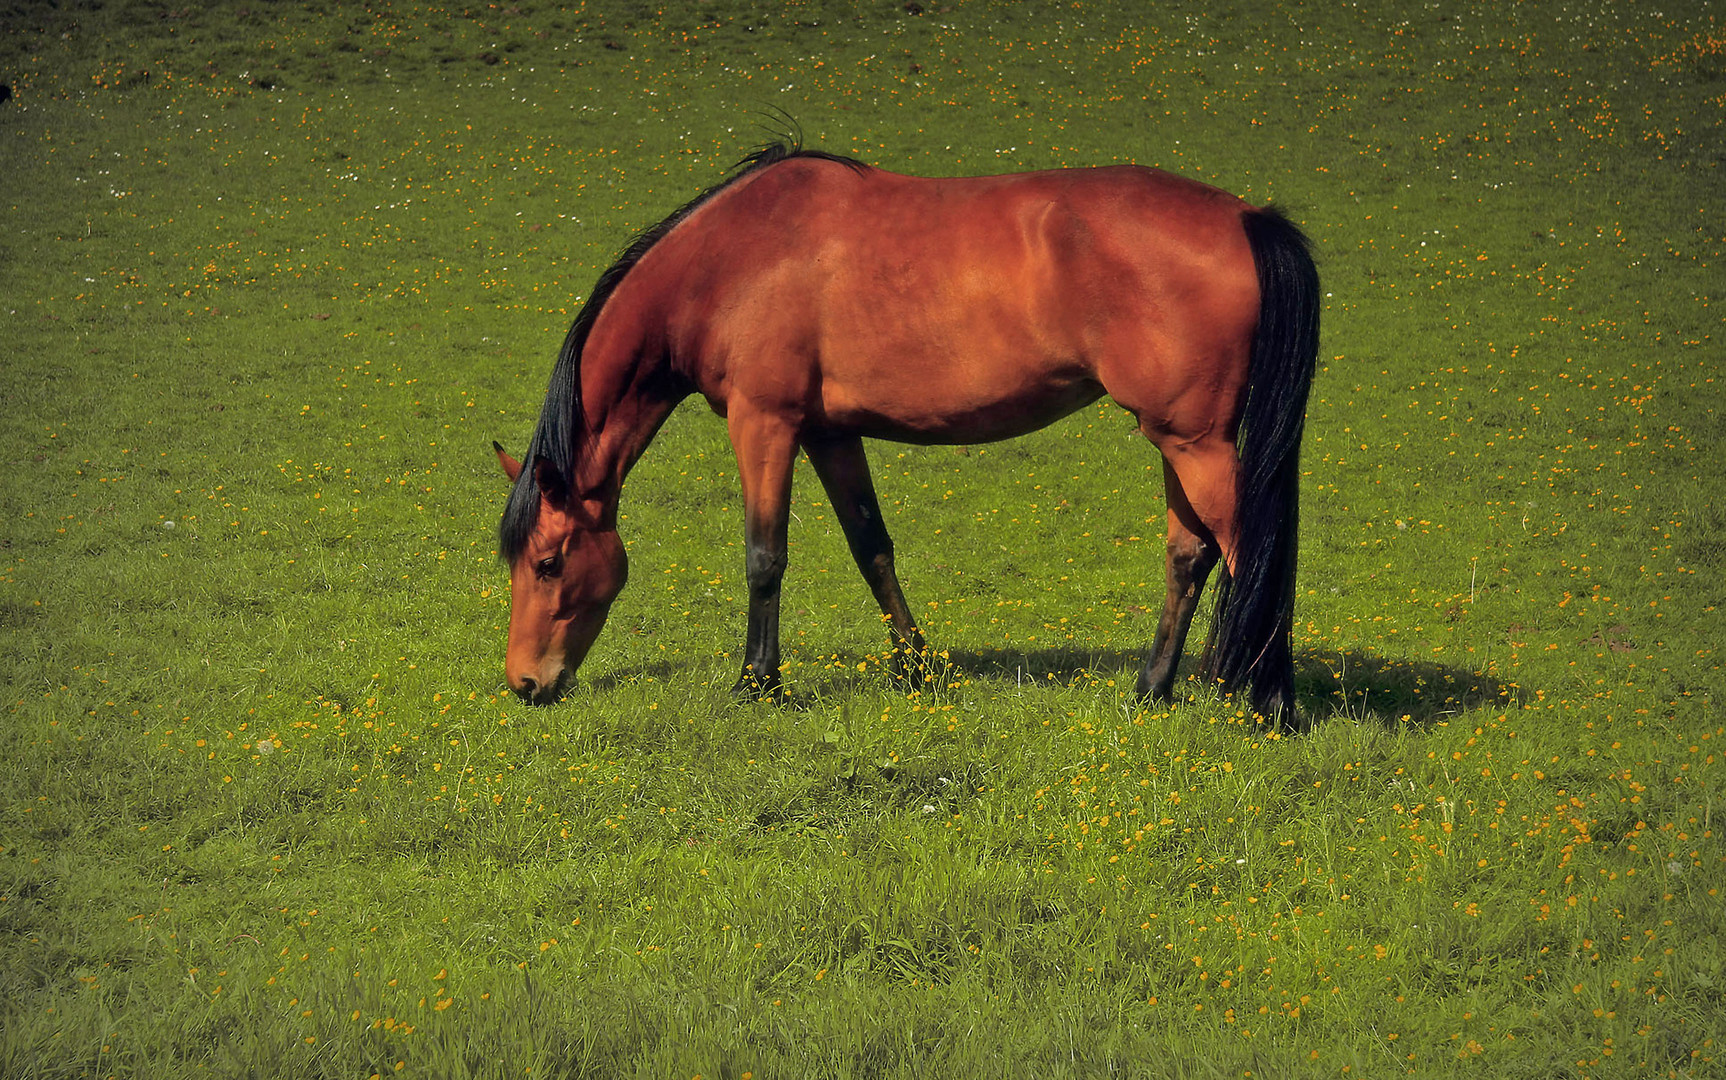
1204 477
1192 552
844 472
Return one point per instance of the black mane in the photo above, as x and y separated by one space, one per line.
560 418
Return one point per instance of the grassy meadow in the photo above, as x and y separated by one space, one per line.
272 277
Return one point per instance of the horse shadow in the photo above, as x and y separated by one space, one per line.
1355 683
1367 686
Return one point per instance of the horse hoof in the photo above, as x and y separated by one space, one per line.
909 675
750 687
912 669
1280 711
1154 692
913 664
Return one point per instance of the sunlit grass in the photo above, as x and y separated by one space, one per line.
273 282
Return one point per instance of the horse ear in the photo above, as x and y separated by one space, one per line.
552 487
510 465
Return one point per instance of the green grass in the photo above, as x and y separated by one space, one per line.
271 282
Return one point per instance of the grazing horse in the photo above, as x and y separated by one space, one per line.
815 301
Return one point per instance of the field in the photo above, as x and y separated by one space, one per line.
272 279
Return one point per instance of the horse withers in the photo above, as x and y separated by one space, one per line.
815 301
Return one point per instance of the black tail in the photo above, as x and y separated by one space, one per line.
1249 638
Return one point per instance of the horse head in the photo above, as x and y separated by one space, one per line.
561 583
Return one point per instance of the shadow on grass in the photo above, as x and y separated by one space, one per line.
1366 686
1355 683
660 671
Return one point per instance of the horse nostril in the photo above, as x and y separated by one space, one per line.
526 688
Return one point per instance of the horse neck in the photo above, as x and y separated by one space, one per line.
626 396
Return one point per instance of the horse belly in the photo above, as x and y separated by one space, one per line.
935 399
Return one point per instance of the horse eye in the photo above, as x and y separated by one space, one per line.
546 568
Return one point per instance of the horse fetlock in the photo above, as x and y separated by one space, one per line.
758 684
1278 706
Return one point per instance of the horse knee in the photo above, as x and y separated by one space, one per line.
764 566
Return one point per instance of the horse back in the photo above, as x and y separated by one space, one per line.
930 309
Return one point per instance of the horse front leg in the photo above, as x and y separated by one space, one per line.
1191 555
766 450
844 472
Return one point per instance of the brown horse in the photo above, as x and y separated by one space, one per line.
815 301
